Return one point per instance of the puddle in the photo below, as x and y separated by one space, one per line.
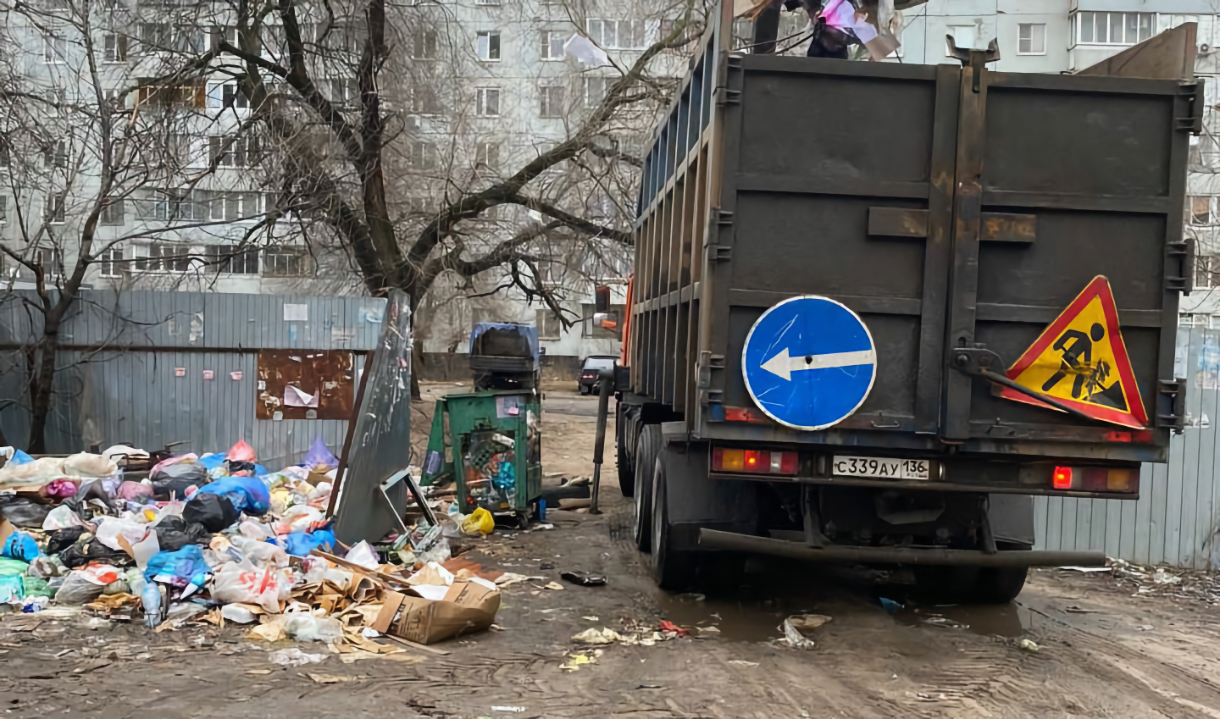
1005 620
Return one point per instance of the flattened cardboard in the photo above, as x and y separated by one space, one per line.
468 607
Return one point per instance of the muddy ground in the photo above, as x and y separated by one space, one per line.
1102 651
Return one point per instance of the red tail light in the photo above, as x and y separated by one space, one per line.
1062 478
754 461
1096 479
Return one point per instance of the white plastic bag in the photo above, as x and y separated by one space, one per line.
305 627
244 583
363 555
254 530
89 465
238 614
297 519
61 517
111 528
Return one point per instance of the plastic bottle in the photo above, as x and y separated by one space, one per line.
152 604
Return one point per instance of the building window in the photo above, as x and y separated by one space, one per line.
57 155
487 154
487 101
589 330
548 325
3 209
112 211
423 100
963 36
111 261
165 257
225 94
552 45
182 96
1204 267
48 260
343 91
174 206
1200 210
423 46
617 34
284 262
552 101
595 90
232 259
489 45
1031 39
235 206
423 156
56 210
54 48
114 48
1111 28
233 152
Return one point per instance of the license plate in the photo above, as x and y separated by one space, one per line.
880 467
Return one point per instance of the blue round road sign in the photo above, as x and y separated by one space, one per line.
809 362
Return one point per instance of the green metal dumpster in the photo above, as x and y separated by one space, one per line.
489 443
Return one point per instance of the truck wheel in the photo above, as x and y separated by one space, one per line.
645 460
999 585
626 470
671 569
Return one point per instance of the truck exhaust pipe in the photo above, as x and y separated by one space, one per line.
731 541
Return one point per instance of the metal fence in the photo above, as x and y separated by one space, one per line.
1177 516
156 367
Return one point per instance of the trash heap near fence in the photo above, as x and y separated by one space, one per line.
219 538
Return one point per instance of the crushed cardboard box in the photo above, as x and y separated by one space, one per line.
468 607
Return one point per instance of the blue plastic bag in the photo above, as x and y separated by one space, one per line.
20 457
21 546
180 568
320 454
248 494
211 461
300 544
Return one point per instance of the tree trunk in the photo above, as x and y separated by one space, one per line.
41 365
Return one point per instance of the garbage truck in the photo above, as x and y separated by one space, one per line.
877 308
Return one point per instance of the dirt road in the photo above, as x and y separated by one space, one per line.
1101 652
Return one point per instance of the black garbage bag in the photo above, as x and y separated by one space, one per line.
213 511
173 534
81 553
62 539
24 513
177 478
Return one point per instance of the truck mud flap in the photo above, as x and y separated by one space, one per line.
714 539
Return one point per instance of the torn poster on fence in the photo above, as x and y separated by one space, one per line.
295 397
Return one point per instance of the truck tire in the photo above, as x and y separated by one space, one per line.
671 569
999 585
626 469
646 449
970 585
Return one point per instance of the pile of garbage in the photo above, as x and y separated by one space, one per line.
219 538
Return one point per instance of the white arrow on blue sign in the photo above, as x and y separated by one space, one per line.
809 362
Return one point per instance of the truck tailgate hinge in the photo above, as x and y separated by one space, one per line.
707 363
1193 122
725 96
1171 405
1184 253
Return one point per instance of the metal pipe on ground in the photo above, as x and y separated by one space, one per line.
605 385
731 541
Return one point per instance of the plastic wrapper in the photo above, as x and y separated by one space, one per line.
89 465
35 587
20 545
300 544
244 583
77 590
214 512
298 519
12 590
109 529
24 513
13 567
62 517
134 492
58 489
247 494
241 452
18 457
305 627
363 555
320 456
478 523
259 552
173 533
180 569
254 530
237 614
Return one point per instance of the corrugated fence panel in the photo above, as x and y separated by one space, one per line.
1175 520
135 395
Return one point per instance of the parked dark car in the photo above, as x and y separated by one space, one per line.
590 370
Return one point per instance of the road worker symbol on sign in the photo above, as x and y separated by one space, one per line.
1081 360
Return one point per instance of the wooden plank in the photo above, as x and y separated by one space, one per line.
1168 56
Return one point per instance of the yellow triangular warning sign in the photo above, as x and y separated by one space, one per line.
1081 361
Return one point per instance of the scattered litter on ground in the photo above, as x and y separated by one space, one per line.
294 657
1028 645
742 663
598 636
584 579
798 625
